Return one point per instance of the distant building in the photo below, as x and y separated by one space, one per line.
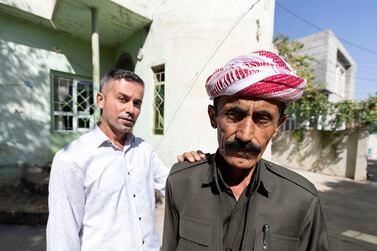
50 58
343 153
333 66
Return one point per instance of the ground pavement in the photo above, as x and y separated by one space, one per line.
349 207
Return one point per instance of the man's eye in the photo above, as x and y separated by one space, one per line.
262 120
234 115
137 104
121 99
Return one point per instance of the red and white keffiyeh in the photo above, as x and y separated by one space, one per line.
261 74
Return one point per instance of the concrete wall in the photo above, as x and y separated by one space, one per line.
28 53
189 37
42 8
324 48
316 47
340 153
372 146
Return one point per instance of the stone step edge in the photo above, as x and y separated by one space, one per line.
23 218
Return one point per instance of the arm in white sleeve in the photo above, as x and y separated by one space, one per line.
66 202
161 173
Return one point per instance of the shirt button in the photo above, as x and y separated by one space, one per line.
134 195
128 173
228 249
139 218
143 242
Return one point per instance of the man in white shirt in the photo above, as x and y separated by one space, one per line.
101 191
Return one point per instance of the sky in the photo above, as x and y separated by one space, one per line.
353 22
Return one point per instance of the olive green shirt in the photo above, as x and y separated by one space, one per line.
283 212
234 212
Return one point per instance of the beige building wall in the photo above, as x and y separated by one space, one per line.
192 38
340 153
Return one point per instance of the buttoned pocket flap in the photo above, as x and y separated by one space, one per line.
195 230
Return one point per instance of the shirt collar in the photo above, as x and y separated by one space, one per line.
100 139
262 186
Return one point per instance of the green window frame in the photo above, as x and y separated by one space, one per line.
159 99
72 103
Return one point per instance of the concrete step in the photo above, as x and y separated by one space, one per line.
22 208
35 182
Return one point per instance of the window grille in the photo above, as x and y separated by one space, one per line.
159 99
73 106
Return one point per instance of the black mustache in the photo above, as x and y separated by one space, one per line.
239 146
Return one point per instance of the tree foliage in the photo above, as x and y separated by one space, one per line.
314 108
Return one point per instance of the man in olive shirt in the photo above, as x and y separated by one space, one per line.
234 200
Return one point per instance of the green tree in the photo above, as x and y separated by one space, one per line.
314 107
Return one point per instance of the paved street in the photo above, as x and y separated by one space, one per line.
350 210
22 238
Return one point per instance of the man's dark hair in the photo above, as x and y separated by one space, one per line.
282 106
117 74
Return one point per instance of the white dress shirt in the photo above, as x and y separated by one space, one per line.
102 198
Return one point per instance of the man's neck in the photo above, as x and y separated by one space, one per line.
236 178
117 139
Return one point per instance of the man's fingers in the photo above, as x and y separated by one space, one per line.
195 155
186 156
200 154
191 156
180 158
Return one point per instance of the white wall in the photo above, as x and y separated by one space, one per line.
189 38
372 146
340 153
42 8
28 53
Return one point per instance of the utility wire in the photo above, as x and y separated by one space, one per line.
193 82
321 29
366 79
323 68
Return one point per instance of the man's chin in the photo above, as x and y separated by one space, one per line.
241 162
124 129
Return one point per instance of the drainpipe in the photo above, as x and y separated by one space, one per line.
95 61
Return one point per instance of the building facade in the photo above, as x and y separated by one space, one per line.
333 66
52 53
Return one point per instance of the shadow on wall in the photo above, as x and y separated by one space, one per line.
27 53
23 130
321 149
25 109
332 152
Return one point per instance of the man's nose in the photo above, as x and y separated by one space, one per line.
245 130
129 107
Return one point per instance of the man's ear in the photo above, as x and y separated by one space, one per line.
281 121
100 98
212 115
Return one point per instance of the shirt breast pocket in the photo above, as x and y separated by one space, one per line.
275 242
195 234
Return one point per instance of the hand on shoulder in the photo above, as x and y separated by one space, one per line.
192 156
